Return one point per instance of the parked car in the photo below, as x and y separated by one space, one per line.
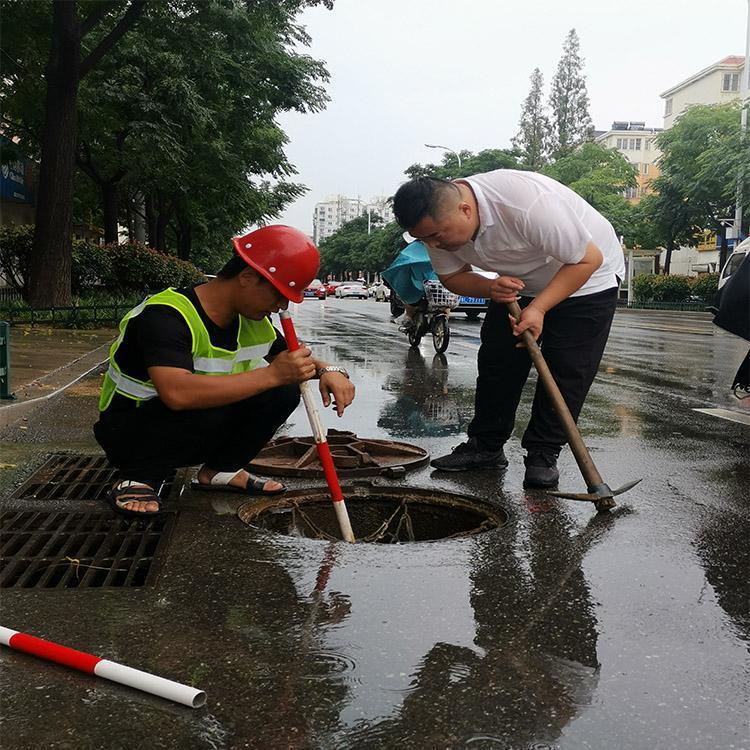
316 290
331 287
351 289
733 262
473 306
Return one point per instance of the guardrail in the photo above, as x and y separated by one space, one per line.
5 392
84 316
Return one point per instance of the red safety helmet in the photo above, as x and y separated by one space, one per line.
285 256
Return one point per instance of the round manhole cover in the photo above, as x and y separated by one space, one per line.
352 456
389 515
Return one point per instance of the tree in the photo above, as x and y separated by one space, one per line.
701 156
351 248
68 62
533 135
178 117
598 174
569 101
484 161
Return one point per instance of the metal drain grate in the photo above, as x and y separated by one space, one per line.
80 550
69 476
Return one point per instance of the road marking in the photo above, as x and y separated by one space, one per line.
672 329
732 416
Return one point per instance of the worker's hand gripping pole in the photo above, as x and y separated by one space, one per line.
324 452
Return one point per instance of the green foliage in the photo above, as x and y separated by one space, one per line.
485 161
649 287
672 288
643 287
352 249
569 101
705 286
701 156
534 126
136 266
15 250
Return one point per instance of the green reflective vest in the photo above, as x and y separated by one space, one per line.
254 341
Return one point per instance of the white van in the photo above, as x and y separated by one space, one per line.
734 260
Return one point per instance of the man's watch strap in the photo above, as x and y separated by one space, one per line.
333 368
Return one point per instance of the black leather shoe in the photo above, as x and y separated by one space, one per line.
541 469
467 456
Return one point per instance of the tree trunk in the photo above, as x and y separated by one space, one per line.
150 220
110 204
48 284
667 256
162 222
184 238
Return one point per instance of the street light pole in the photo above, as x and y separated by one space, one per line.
744 85
445 148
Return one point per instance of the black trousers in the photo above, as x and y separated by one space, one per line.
573 340
148 443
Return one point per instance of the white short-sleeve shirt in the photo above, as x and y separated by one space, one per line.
529 226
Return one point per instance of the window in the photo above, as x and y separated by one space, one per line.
619 143
730 82
638 144
668 108
647 147
645 169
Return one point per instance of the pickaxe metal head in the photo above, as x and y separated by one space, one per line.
601 495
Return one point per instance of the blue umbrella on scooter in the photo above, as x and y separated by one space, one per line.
408 272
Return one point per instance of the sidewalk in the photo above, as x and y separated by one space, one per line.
45 360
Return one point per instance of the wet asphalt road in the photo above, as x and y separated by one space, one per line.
563 629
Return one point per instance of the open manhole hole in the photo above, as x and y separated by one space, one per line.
388 515
352 456
80 550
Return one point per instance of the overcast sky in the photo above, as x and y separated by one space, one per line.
409 72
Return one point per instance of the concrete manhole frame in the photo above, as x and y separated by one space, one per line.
359 491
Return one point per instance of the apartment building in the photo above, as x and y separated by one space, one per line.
719 83
331 214
636 143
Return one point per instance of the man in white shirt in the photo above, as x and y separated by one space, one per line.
554 254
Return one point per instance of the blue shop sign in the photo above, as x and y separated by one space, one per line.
16 181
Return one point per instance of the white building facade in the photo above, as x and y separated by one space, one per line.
636 143
331 214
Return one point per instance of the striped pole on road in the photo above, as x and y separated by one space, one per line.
109 670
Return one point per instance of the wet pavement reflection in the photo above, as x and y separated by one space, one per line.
563 629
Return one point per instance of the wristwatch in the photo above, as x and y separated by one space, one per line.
333 368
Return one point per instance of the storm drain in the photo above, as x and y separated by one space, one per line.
70 476
80 550
388 515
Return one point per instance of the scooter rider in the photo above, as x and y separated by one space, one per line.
187 382
563 262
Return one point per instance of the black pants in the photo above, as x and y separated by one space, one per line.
148 443
575 333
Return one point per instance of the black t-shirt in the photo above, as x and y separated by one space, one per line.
160 337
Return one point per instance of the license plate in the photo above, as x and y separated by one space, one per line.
471 301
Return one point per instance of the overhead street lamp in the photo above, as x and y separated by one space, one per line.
445 148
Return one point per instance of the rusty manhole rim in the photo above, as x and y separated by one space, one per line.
353 456
362 490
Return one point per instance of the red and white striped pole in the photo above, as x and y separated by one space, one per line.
324 452
109 670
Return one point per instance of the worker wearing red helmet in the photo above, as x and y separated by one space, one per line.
201 376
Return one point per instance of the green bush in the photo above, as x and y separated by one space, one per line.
705 286
91 266
643 287
671 288
15 251
137 267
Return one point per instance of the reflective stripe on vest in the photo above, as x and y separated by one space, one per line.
245 354
131 387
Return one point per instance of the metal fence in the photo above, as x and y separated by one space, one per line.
85 316
9 294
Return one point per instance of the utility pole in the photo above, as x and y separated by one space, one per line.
744 85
